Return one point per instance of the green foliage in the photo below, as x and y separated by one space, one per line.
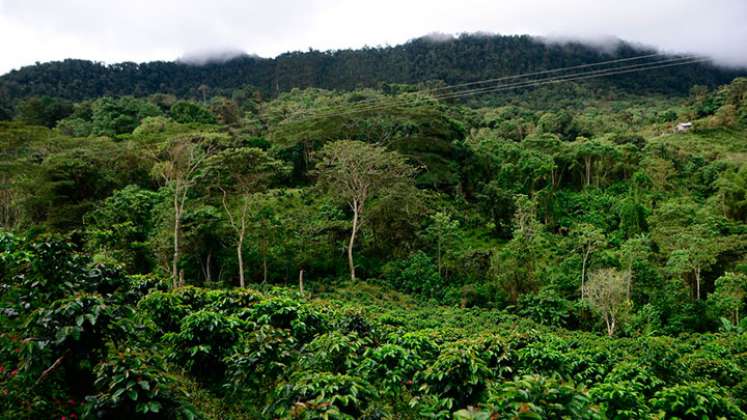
303 321
546 307
391 366
332 352
43 110
325 395
459 375
695 400
81 324
728 300
536 396
202 342
130 385
120 227
261 357
186 112
113 116
417 274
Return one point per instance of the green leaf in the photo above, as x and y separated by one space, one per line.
155 406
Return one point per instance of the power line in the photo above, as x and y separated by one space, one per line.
490 88
518 85
504 78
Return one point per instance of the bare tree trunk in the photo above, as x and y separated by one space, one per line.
240 256
356 210
610 320
587 161
583 274
240 230
177 228
300 281
697 283
438 255
208 271
264 269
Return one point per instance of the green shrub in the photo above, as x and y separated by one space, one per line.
418 342
132 385
260 358
231 301
165 309
620 400
417 274
537 396
390 367
80 327
638 376
204 339
304 321
546 307
721 368
332 352
314 395
458 374
547 357
695 400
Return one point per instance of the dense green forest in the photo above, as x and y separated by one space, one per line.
371 252
466 58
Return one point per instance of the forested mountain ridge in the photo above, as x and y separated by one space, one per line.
462 59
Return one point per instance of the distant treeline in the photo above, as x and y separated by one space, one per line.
462 59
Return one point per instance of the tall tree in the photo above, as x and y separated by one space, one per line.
442 233
179 167
633 250
355 172
728 298
606 293
242 172
588 239
515 264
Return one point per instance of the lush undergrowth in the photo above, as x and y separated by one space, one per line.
101 344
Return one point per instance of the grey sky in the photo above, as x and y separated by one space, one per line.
144 30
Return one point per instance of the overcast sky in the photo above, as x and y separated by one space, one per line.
145 30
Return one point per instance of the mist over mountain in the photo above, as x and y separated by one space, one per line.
434 57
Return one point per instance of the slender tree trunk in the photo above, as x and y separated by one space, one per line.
587 161
610 319
356 210
438 255
208 272
177 228
300 281
264 269
583 274
240 257
697 283
630 279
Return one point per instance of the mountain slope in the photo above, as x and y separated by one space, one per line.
463 59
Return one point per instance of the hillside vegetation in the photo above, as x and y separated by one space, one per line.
375 253
466 58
